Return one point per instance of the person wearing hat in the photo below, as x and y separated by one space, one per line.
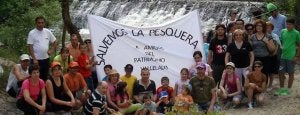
17 75
113 80
290 38
203 89
164 104
129 79
255 85
60 98
277 19
77 85
230 86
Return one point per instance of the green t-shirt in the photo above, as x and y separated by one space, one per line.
201 89
289 43
64 64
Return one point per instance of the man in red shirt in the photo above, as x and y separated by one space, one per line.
85 66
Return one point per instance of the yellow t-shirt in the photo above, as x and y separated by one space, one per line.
130 83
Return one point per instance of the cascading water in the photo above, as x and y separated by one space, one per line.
152 12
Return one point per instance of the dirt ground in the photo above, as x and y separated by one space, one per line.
274 105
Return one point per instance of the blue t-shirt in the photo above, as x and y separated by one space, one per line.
279 23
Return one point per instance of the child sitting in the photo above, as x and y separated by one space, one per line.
148 104
123 100
164 105
184 100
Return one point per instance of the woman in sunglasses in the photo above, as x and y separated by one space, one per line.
255 85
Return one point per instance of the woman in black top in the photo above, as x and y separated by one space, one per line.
60 97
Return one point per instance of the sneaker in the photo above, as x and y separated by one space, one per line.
250 105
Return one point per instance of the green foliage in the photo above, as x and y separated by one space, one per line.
9 53
17 19
288 7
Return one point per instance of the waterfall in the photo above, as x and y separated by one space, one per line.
152 12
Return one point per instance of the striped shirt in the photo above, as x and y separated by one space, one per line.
96 100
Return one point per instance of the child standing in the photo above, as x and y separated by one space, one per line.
123 100
85 66
184 100
165 87
183 81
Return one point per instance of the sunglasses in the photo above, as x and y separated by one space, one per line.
249 28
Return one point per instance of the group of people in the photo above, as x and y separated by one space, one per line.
242 60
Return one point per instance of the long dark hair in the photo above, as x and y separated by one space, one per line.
120 90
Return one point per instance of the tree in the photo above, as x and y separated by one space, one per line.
68 25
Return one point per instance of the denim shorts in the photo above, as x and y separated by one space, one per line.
286 66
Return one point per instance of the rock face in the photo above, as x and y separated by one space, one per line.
6 62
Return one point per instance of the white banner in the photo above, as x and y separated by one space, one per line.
164 49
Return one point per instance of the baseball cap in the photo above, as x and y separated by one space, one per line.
73 64
271 7
55 63
230 64
163 94
201 65
24 57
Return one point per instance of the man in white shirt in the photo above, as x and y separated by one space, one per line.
39 40
17 75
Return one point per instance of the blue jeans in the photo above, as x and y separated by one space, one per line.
89 83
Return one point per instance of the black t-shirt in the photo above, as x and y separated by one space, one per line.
240 57
139 90
219 48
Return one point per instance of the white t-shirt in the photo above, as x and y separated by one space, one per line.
40 41
12 80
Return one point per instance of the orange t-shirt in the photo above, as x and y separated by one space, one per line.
75 83
180 100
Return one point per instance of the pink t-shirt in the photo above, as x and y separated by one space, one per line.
34 91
